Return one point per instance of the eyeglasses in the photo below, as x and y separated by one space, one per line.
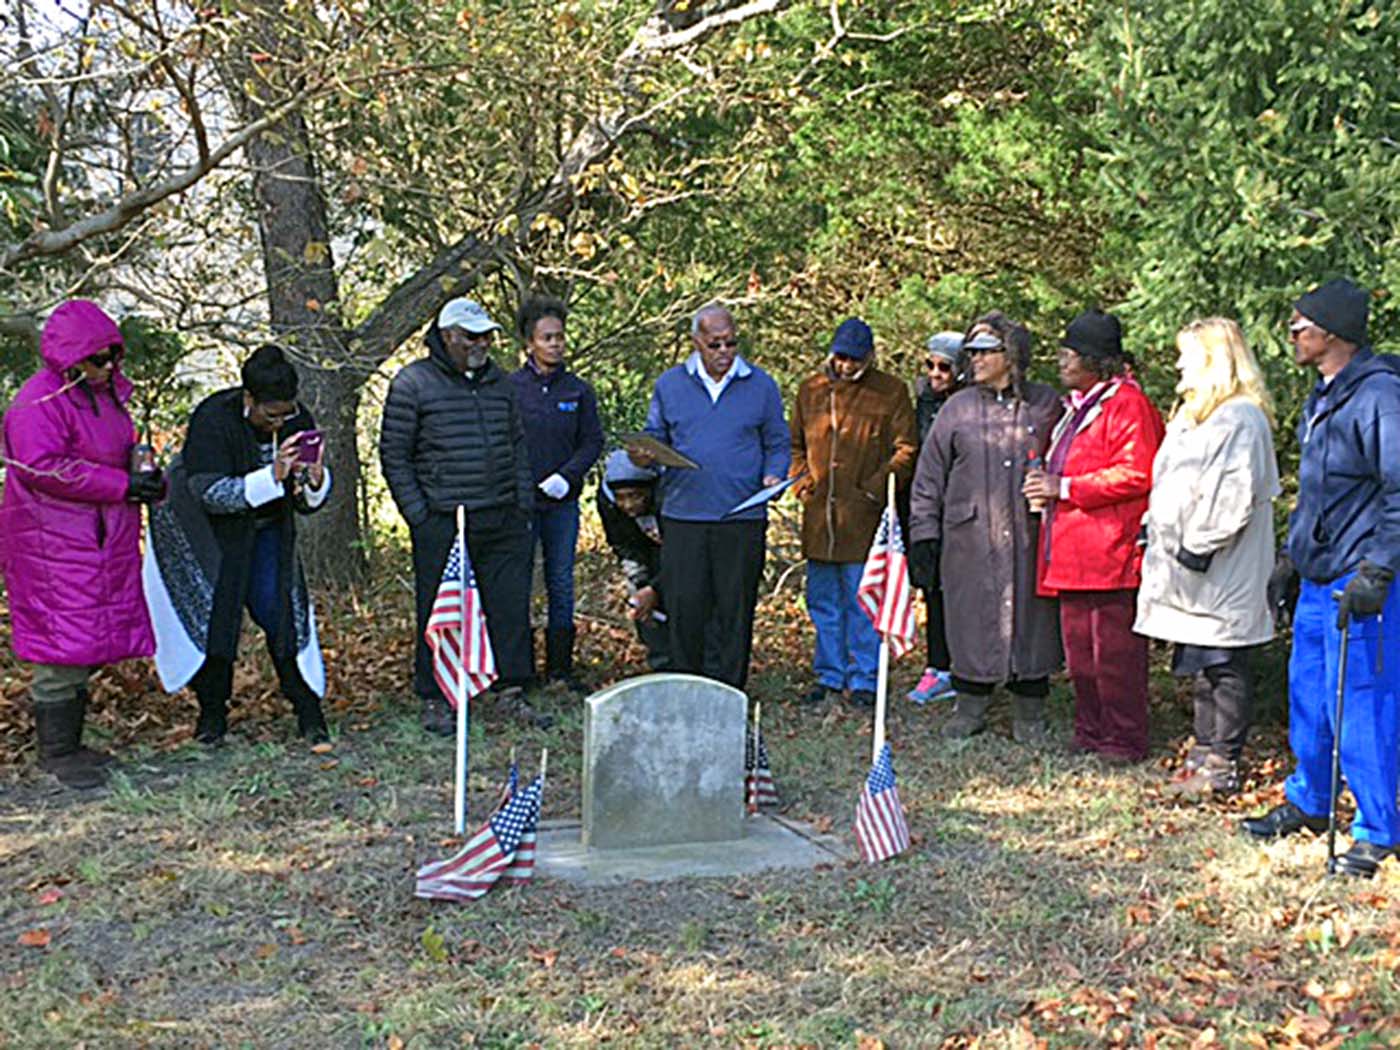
721 344
1300 326
275 418
937 364
105 358
977 351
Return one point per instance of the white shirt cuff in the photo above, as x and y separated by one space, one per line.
315 497
261 487
1064 488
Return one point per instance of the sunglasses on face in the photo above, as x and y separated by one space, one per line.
105 358
978 351
1299 326
937 364
722 344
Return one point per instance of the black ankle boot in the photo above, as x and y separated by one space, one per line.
311 723
559 656
213 721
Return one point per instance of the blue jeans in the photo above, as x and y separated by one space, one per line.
1371 715
848 647
556 530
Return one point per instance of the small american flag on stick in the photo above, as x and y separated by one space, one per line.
522 866
884 586
880 827
489 854
459 651
759 789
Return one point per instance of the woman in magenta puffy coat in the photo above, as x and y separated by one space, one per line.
70 527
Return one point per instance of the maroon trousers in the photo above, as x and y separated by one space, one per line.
1108 668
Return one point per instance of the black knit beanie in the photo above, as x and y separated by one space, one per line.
1095 334
1339 307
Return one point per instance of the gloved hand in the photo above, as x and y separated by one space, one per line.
1193 561
144 486
555 486
924 556
1364 594
1283 590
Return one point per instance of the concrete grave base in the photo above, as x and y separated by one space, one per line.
769 842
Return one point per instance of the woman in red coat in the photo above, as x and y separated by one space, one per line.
1094 489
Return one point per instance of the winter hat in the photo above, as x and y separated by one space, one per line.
853 339
464 313
947 345
1339 307
1095 334
619 470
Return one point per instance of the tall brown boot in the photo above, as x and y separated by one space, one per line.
58 728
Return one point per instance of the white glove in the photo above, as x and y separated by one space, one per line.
554 486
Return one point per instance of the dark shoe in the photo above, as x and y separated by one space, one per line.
438 717
559 657
91 754
1284 819
1216 777
311 723
819 694
1363 859
510 703
862 698
209 730
58 728
1028 726
969 717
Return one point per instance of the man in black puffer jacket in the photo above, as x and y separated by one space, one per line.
453 436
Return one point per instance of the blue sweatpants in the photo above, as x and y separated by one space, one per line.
1371 710
848 647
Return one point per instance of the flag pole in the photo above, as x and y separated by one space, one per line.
544 765
460 796
882 683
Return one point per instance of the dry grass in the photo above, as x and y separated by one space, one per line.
260 896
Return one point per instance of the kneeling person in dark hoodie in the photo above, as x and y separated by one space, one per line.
627 505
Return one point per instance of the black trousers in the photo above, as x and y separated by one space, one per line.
710 571
935 634
1223 701
498 543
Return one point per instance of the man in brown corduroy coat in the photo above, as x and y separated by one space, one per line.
852 426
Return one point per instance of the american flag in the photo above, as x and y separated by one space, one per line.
884 587
759 789
522 866
880 827
489 855
456 656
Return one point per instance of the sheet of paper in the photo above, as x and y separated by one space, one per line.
659 450
766 494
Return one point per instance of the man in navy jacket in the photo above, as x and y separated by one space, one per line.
565 438
1343 540
727 415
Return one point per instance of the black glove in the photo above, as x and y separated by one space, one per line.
1193 561
1365 593
923 563
1283 590
144 486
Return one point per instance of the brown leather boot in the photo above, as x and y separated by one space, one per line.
58 728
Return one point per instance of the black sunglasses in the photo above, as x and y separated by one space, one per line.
106 357
717 344
975 351
937 364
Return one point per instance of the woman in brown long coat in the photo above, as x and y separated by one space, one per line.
973 533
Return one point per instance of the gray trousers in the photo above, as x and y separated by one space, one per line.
57 683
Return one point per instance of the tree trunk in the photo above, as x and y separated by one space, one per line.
302 300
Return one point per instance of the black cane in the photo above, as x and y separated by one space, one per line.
1337 741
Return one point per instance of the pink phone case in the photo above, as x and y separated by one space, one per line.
309 447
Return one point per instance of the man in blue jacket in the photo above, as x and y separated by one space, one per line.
564 437
1343 539
727 415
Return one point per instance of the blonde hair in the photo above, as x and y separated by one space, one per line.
1228 370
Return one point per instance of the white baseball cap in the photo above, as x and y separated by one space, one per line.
468 314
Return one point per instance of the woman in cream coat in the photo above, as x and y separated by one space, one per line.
1210 543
